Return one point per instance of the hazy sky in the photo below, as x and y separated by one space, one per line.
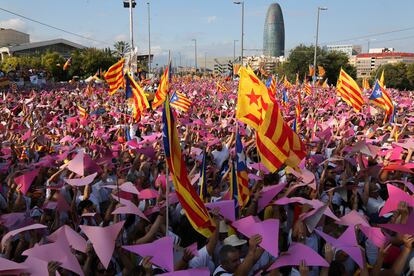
214 23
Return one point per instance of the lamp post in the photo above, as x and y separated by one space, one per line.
234 50
130 4
316 42
149 39
242 28
195 53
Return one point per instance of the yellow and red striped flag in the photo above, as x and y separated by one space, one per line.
287 84
67 64
82 112
349 91
139 100
221 88
192 204
308 88
298 108
311 70
180 101
365 84
321 71
276 142
115 76
163 88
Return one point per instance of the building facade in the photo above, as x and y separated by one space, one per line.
61 46
274 32
10 37
368 62
349 50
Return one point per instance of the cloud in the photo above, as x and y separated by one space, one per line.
121 37
211 19
14 23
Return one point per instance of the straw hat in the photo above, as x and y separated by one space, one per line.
233 240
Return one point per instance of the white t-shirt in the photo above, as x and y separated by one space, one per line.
202 260
221 269
220 156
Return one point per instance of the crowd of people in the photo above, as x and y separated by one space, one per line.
80 193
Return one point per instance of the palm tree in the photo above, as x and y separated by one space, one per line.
121 48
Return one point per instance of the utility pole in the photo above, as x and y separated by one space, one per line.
195 53
316 43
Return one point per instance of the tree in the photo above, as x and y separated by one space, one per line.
299 60
121 48
395 75
302 56
410 75
332 62
53 62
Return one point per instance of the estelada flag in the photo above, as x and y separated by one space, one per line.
193 206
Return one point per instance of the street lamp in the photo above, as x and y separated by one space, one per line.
242 27
130 4
195 52
234 50
316 42
149 39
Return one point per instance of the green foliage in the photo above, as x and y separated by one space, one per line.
23 62
410 75
398 75
53 63
302 56
85 62
121 48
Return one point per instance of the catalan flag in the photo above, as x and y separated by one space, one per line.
349 91
221 88
321 71
381 98
163 88
193 206
82 112
308 88
180 101
115 76
139 100
203 180
311 70
284 98
297 80
241 173
298 108
67 64
365 84
276 142
233 191
287 84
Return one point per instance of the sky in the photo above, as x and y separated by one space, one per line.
215 24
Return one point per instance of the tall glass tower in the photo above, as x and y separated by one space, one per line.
274 32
